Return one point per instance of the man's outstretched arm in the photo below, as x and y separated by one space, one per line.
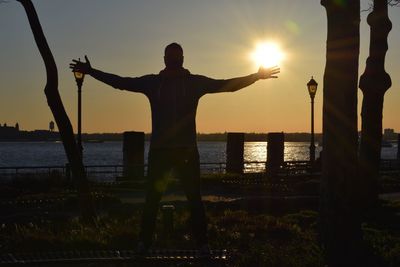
130 84
235 84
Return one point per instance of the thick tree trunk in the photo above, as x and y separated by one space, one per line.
374 83
60 116
340 221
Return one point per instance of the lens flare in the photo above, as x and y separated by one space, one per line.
292 27
267 54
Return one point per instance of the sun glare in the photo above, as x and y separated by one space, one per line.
267 54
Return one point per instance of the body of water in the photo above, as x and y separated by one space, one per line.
22 154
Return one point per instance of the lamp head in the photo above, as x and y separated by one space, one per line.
312 86
79 77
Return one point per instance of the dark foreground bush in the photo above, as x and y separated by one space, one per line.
255 239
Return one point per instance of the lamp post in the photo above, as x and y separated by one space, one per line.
79 81
312 86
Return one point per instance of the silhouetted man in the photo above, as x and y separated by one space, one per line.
173 94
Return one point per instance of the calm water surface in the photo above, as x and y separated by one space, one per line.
110 153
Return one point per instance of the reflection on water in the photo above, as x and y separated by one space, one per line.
299 151
257 151
110 153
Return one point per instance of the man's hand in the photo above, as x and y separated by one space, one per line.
267 73
82 67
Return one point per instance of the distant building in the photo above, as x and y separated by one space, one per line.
7 132
51 126
389 134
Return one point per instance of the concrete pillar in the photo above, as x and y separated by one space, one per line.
398 146
234 152
133 154
275 152
68 172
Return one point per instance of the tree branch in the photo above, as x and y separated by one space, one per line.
57 108
391 3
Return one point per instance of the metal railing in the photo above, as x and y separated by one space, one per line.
164 257
111 172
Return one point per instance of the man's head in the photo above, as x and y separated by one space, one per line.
173 56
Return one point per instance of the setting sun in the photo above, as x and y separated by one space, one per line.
267 54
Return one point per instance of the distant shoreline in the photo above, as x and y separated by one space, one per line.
47 136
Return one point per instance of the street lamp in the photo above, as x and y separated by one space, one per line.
312 86
79 76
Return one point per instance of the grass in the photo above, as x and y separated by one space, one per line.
257 237
258 240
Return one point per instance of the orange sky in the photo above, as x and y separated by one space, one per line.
128 38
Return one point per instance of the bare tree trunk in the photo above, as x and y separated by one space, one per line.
374 83
340 220
60 116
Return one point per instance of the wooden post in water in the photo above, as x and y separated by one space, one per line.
398 146
275 153
133 154
234 153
